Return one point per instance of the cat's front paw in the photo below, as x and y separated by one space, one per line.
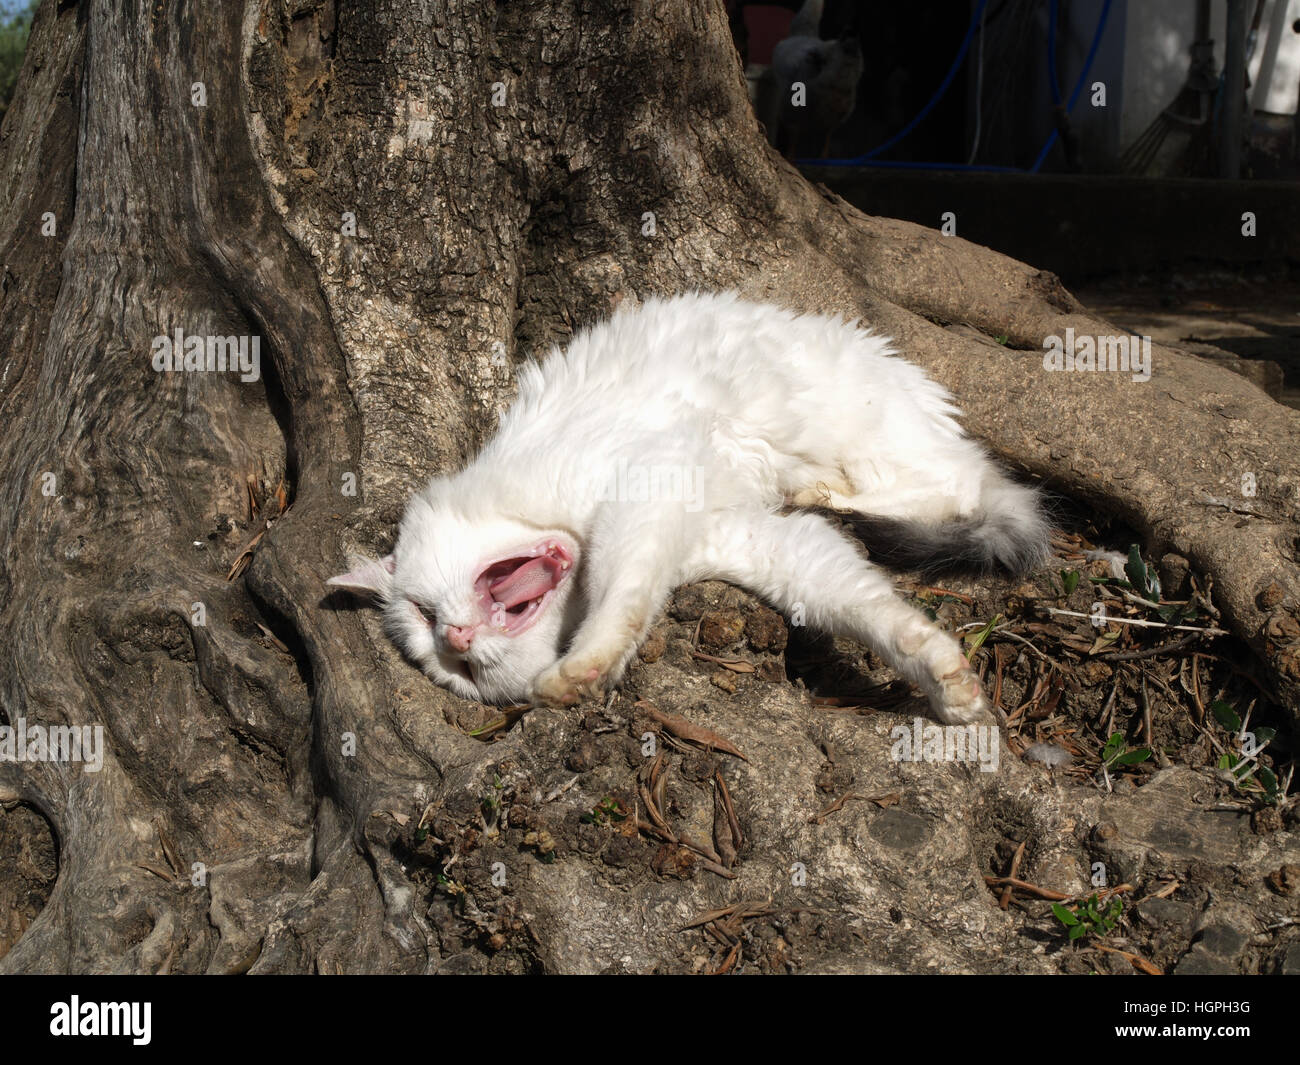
566 683
959 699
955 693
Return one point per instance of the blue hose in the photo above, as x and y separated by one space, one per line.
1083 74
899 164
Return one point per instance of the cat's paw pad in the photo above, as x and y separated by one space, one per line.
565 685
960 699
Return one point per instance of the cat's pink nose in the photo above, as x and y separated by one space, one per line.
460 636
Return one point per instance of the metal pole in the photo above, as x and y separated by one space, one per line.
1234 91
1202 19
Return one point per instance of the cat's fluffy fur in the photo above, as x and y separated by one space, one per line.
536 571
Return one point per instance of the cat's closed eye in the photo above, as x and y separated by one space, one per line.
426 615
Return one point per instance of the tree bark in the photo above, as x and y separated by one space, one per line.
514 171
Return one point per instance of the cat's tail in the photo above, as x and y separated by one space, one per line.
1009 530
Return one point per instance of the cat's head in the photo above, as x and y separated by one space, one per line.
480 604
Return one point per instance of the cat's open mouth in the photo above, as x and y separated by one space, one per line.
514 590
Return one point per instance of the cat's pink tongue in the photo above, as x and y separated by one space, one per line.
529 581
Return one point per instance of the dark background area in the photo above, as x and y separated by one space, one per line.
1159 249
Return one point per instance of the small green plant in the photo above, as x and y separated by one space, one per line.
453 889
607 809
1069 580
1089 917
1142 578
976 639
1145 582
1248 776
490 803
1116 753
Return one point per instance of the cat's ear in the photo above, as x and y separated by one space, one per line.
367 578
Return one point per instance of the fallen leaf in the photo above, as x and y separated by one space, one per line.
683 729
736 665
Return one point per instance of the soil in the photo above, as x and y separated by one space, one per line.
1250 323
1205 866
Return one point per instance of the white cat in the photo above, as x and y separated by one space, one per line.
668 445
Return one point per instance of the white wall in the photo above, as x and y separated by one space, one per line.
1157 38
1283 91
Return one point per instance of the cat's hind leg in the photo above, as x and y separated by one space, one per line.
948 506
801 564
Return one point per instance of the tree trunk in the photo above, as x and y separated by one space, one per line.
402 201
